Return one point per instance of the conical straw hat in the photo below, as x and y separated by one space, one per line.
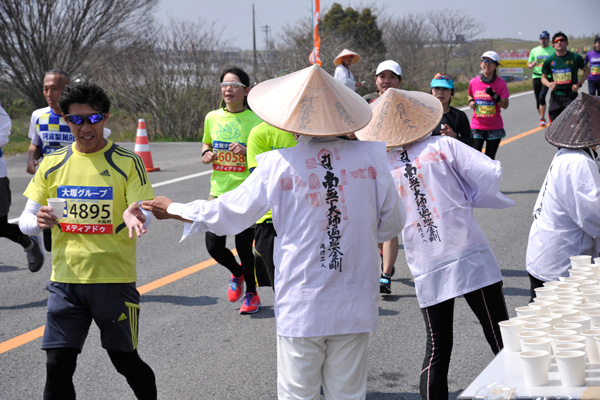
309 102
578 126
346 52
401 117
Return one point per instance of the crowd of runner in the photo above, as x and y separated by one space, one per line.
327 172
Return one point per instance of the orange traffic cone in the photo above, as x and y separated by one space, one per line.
142 147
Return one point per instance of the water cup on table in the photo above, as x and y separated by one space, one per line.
571 367
585 322
535 367
538 343
510 330
57 205
553 335
580 259
531 335
591 347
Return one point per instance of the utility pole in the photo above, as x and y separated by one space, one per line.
253 45
267 30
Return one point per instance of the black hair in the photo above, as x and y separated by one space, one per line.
242 76
84 93
57 71
559 34
597 40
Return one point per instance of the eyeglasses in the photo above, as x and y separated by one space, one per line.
79 119
445 77
487 61
233 84
558 40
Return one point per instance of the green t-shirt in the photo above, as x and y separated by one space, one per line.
221 128
263 138
539 55
92 244
564 71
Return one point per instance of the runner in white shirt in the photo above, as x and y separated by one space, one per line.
566 215
332 201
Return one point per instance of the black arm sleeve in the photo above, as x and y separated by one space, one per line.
463 128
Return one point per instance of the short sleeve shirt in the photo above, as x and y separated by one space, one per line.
222 128
92 244
486 115
564 70
539 55
593 58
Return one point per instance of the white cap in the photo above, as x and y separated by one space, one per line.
389 65
492 55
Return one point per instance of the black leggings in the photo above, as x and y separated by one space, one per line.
216 246
490 308
12 232
539 91
491 146
61 364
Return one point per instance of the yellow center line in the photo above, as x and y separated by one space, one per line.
39 332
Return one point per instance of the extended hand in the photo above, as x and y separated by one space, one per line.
158 207
45 220
134 218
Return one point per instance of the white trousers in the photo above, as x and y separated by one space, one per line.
338 363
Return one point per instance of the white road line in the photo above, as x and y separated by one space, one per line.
159 184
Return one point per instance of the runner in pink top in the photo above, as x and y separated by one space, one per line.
488 94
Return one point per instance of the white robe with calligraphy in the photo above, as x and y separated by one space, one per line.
323 285
566 215
447 253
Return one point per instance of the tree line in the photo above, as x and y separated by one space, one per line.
168 73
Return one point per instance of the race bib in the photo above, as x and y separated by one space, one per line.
595 70
226 160
561 76
89 209
485 109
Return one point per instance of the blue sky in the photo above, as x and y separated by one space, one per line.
509 18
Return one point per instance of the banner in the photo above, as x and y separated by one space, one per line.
314 54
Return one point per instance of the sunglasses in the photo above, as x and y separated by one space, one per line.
79 119
559 40
445 77
487 61
233 84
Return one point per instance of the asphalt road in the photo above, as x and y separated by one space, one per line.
196 341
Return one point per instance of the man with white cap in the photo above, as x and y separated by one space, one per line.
387 75
440 180
332 200
343 61
566 215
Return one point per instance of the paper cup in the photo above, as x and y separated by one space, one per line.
591 347
571 339
539 343
58 205
571 367
590 296
535 367
595 316
544 291
527 310
568 347
544 305
531 335
580 259
587 307
597 260
510 330
553 335
585 322
537 326
571 327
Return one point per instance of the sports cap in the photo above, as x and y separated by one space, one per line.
389 65
346 52
577 126
310 102
401 117
544 35
442 80
492 55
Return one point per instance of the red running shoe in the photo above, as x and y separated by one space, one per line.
250 303
542 122
236 288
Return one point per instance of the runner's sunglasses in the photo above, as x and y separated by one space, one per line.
79 119
445 77
233 84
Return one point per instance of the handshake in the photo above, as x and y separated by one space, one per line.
493 94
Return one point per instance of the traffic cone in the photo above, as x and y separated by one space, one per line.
142 147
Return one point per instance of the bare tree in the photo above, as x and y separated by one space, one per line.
171 77
38 35
450 30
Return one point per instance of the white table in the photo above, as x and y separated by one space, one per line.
506 368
